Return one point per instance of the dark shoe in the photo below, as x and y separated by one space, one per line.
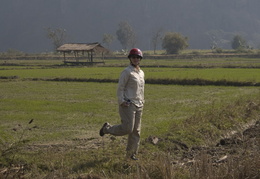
101 132
133 157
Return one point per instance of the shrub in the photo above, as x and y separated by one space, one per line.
219 50
238 42
173 43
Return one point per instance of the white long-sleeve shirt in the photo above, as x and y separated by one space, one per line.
131 86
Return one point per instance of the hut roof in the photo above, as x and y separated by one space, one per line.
81 47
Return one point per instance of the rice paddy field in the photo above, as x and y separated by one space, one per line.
50 116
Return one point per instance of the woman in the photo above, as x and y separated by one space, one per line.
130 94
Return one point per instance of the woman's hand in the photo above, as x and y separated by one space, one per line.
125 104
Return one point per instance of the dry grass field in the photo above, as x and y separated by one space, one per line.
200 121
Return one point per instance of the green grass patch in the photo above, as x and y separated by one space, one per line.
215 74
63 106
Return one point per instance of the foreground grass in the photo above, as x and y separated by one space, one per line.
49 129
85 106
62 141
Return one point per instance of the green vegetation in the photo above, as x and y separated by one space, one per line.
238 42
126 35
184 76
163 73
174 42
50 128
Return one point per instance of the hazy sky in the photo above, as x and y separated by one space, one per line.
24 22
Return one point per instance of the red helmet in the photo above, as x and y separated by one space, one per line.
135 51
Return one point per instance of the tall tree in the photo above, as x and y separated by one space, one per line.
157 37
58 36
108 39
126 35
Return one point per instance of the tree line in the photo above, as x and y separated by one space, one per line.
171 42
